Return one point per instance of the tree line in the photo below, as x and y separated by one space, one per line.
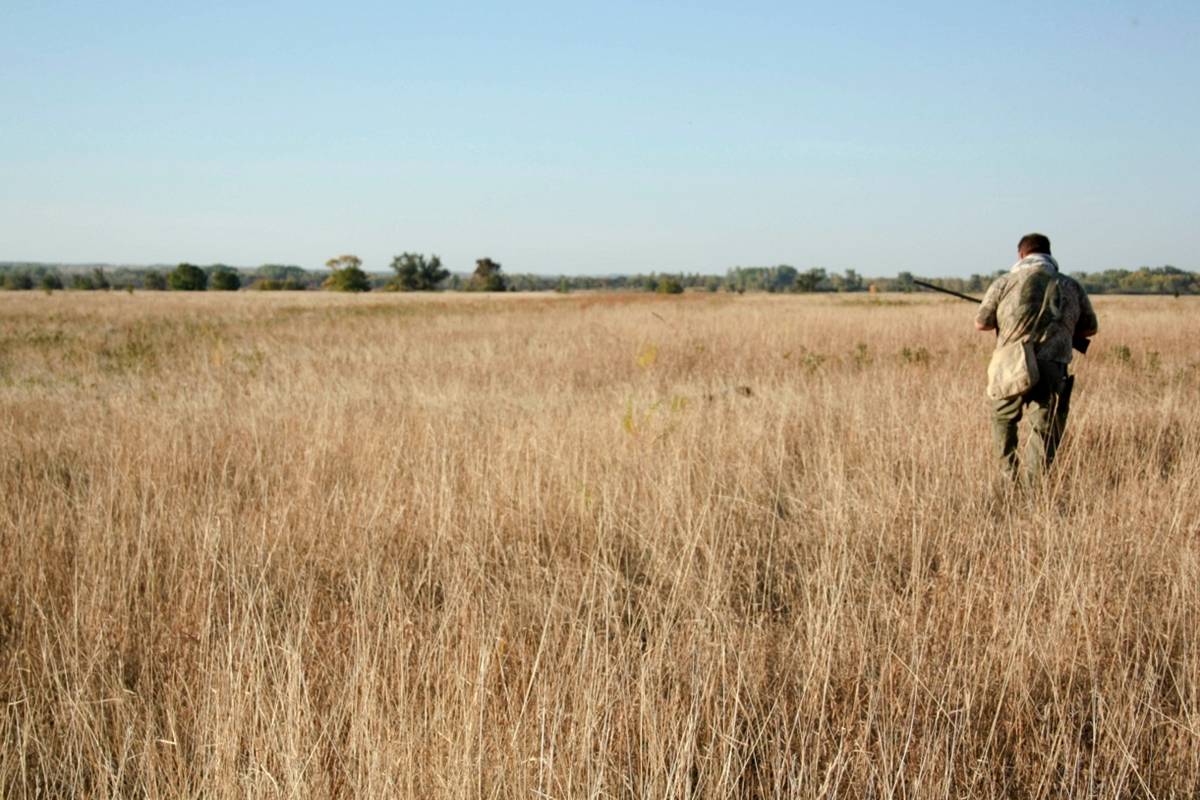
416 272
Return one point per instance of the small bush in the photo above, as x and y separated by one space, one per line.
488 277
225 280
668 284
347 275
351 279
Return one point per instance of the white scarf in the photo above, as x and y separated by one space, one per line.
1042 261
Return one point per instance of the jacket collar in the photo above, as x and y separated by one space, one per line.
1041 261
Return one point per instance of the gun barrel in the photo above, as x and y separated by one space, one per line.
950 292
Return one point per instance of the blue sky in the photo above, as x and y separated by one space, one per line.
598 138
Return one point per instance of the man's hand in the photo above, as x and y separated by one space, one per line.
979 326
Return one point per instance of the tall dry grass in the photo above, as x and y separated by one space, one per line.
585 546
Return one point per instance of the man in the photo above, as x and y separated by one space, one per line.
1034 302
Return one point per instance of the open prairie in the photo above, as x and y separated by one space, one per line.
316 545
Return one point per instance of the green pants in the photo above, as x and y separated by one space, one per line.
1047 410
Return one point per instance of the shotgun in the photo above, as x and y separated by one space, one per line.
1078 342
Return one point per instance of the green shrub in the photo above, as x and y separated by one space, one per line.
187 278
351 279
225 280
668 284
487 277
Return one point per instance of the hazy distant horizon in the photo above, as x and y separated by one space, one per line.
603 138
385 269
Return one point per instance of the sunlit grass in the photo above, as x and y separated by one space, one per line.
585 545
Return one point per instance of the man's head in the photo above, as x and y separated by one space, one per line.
1033 243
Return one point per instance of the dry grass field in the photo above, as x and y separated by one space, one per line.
585 546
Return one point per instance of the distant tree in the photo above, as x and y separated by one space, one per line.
18 281
904 282
154 281
187 278
782 278
810 280
100 280
347 275
224 279
851 281
487 277
51 281
564 286
82 282
286 277
417 273
668 284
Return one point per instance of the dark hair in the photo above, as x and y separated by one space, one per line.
1034 243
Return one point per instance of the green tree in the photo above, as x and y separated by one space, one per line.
347 275
487 277
154 281
82 282
904 282
100 280
187 278
51 281
283 276
18 281
417 273
223 279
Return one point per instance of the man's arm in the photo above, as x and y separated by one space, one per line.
985 320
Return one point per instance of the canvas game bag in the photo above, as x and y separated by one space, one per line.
1013 370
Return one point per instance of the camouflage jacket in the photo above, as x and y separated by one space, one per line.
1035 302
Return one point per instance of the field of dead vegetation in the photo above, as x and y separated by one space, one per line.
585 546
